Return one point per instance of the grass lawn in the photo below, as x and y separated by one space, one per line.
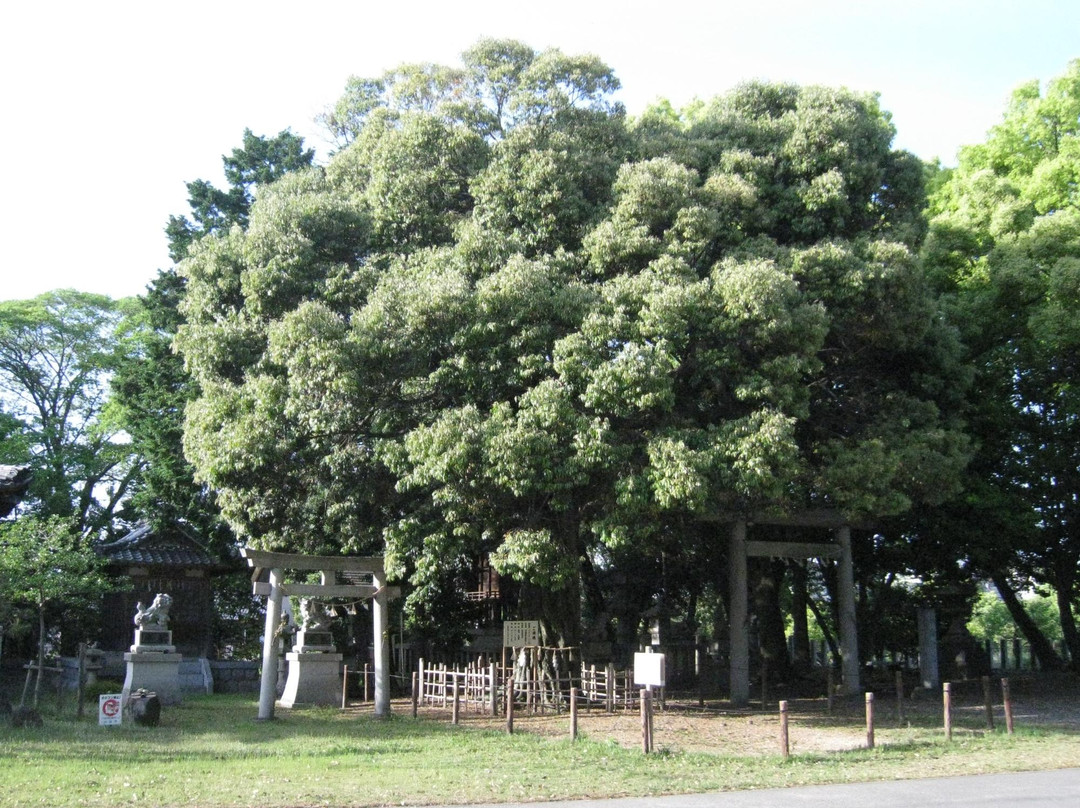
211 751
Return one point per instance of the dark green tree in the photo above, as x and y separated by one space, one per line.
259 161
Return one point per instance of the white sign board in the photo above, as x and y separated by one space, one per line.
110 709
649 670
521 633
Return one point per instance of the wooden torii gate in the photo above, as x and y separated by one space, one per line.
739 549
268 578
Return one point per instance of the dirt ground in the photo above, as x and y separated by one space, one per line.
718 728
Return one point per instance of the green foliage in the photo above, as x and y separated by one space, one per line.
991 621
259 161
505 321
46 567
57 352
1005 248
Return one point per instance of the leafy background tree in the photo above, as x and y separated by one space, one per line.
46 567
57 352
1004 247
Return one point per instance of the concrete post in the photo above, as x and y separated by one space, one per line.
738 617
381 644
849 638
268 684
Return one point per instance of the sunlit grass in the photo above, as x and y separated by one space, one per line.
212 752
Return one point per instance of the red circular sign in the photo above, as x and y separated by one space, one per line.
110 707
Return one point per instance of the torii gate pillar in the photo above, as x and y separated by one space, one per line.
268 683
849 636
381 643
738 617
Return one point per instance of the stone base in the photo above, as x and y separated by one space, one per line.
314 641
152 640
314 678
157 671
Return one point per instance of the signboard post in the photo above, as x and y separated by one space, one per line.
649 672
110 709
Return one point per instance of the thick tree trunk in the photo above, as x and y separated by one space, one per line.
766 597
800 628
1065 590
1040 646
830 638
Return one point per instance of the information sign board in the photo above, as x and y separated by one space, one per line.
649 670
110 709
521 633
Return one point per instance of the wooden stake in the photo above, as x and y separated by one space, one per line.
345 687
646 741
1007 698
367 670
947 697
869 720
510 705
455 712
785 747
415 693
988 702
573 713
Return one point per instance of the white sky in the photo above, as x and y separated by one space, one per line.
110 107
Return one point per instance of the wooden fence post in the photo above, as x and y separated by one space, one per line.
573 713
609 695
457 700
785 747
1007 698
869 720
367 669
947 698
493 680
423 684
646 741
988 703
344 687
415 693
510 704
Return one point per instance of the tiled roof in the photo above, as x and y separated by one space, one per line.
14 480
171 548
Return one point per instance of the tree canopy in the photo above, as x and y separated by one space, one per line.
1004 247
507 320
57 352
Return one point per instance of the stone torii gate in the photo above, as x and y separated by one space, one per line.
268 578
739 549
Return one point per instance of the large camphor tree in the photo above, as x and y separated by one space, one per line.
505 320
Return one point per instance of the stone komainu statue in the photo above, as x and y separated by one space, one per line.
156 617
314 616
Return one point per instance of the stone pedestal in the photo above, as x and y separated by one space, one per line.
153 664
314 678
158 671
